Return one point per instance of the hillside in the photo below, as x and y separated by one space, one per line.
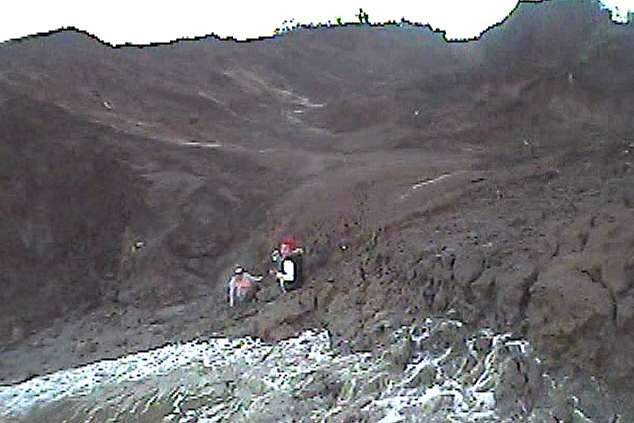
491 179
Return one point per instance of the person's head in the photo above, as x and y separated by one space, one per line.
287 246
275 255
238 270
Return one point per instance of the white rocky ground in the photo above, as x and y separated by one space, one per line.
432 371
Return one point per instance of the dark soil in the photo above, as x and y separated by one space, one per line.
492 180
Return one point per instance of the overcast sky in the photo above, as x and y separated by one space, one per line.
145 21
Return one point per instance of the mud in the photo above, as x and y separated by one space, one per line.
421 178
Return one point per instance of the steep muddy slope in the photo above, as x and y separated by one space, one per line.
181 147
78 195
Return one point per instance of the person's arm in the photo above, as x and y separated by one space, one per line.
232 289
253 278
288 271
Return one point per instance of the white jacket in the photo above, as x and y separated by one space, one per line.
233 283
288 271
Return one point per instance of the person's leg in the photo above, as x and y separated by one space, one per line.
240 296
249 294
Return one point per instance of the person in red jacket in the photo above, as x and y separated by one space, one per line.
288 261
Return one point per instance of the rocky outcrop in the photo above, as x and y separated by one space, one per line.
512 292
581 303
566 305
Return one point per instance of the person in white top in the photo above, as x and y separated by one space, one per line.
242 286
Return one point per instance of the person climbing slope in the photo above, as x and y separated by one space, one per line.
242 286
288 265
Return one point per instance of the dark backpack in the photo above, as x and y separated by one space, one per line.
298 259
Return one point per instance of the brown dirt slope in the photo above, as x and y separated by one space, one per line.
491 179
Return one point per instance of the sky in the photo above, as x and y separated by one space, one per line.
146 21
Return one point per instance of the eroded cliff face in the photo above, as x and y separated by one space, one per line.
492 179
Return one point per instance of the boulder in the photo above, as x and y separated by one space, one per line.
582 302
568 311
611 246
468 267
519 386
512 292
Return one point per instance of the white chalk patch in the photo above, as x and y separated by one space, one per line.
203 144
431 181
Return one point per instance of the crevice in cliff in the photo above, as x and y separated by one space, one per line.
595 276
